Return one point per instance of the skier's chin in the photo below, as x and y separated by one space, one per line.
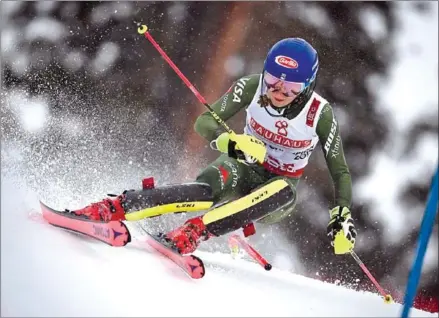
280 102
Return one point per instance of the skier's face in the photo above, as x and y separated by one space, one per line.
280 92
277 95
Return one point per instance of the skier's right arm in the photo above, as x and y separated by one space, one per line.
239 96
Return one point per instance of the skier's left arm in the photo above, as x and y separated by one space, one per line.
341 229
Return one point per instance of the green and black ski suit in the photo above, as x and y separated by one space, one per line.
231 179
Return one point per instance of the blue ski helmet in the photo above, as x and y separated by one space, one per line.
292 60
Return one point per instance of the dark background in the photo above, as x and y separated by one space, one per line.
135 116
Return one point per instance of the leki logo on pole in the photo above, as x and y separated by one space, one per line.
281 126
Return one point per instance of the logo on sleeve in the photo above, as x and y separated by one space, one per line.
336 149
224 102
331 136
239 89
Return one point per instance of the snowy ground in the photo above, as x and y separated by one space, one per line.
49 272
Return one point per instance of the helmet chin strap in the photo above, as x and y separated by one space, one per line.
280 110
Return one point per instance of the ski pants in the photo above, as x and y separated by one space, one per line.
231 179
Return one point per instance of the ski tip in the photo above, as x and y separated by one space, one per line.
45 208
268 267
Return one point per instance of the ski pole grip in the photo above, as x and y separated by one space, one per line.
142 29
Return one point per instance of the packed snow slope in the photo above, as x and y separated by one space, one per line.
47 271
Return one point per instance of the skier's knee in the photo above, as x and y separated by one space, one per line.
278 216
284 211
275 195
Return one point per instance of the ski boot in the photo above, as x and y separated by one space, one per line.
187 237
106 210
110 209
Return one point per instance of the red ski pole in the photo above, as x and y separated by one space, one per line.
236 240
143 29
387 297
252 145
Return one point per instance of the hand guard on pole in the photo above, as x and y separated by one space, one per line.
341 230
242 147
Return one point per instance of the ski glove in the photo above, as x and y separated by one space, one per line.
341 230
242 147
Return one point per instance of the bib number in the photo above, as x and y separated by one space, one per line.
303 154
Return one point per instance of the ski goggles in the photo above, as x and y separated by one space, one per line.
289 89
